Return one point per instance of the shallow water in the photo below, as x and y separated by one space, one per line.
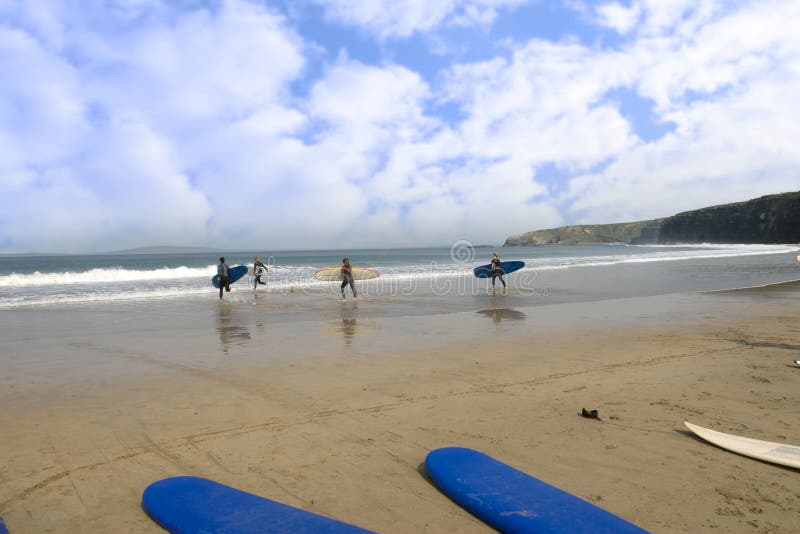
439 278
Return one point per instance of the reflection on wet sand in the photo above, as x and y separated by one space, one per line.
230 330
348 329
349 325
500 314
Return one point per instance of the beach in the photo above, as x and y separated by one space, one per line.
335 413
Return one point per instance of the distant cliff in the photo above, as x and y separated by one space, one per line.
590 234
768 219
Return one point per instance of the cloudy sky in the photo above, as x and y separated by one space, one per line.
363 123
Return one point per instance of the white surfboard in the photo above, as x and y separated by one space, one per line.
334 274
257 271
777 453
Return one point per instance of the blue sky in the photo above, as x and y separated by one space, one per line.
345 123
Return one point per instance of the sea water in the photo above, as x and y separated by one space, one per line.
440 276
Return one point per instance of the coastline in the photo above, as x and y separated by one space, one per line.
335 415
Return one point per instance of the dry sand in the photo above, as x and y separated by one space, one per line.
344 433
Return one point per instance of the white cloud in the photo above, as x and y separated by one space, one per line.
141 124
106 121
40 94
402 18
352 92
727 89
548 103
617 16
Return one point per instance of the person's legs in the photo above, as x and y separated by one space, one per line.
353 287
344 285
224 282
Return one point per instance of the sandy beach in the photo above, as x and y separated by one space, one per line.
336 415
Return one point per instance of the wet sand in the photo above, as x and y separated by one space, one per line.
335 413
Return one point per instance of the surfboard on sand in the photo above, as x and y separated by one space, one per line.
512 501
234 273
3 529
184 505
768 451
334 274
485 271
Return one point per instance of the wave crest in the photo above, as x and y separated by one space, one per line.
104 276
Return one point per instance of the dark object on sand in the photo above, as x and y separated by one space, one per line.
589 414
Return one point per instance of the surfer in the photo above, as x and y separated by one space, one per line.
347 277
224 279
258 269
497 271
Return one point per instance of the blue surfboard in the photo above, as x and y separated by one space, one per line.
191 505
485 271
3 529
512 501
234 273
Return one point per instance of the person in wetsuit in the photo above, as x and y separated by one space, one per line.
258 269
347 277
497 271
224 279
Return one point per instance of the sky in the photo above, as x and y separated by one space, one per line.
336 124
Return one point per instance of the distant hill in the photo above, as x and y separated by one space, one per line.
587 234
163 250
767 219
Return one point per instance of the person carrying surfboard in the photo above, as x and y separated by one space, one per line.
224 279
497 271
347 277
258 269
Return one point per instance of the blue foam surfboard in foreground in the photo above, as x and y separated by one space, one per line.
485 271
512 501
234 273
3 529
192 505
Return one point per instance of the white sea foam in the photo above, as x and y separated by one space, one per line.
701 252
100 296
104 276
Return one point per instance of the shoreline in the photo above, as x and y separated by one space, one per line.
342 429
430 275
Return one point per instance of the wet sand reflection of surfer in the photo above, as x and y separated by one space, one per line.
503 314
348 329
230 333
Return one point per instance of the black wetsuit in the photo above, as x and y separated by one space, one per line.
497 271
224 279
347 278
257 281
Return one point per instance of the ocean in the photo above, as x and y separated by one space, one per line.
440 277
